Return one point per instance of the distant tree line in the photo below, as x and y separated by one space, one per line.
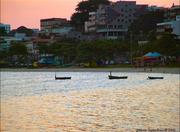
95 51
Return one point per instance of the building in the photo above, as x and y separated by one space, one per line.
63 31
5 27
48 25
6 41
172 13
156 8
90 26
172 22
112 21
172 27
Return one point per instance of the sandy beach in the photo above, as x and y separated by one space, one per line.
107 110
147 70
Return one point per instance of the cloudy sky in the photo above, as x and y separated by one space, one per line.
29 12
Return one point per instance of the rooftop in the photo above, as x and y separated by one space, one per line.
53 19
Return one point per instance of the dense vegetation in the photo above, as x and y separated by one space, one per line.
98 51
144 27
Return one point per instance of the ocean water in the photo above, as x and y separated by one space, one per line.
40 83
36 102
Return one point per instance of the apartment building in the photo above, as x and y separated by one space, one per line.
172 22
48 25
112 21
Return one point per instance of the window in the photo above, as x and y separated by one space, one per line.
115 26
110 26
115 34
119 26
122 20
118 20
110 33
119 33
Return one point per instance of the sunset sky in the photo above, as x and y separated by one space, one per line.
29 12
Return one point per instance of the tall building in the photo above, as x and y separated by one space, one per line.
5 27
48 25
112 21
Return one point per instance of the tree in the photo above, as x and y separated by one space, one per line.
144 27
19 51
3 32
85 52
100 50
82 12
44 48
168 45
65 51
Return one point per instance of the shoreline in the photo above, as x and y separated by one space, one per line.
147 70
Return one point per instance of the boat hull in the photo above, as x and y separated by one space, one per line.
155 77
62 78
118 77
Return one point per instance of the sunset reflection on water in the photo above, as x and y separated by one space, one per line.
127 105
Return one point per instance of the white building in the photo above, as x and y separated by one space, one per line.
170 27
112 21
90 26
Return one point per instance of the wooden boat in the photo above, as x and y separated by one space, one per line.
155 77
117 77
61 78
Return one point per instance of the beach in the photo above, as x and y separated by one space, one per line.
146 70
141 107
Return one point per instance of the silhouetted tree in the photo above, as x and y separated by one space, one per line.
19 51
145 26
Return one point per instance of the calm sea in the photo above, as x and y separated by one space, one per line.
40 83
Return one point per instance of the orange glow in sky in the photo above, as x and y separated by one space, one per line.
29 12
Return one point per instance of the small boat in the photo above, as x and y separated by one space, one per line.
117 77
155 77
61 78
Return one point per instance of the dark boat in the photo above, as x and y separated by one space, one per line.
61 78
117 77
155 77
